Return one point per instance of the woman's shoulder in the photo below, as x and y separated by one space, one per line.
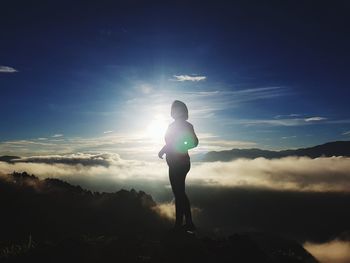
180 125
183 123
171 125
189 125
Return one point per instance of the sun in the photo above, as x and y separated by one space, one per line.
156 129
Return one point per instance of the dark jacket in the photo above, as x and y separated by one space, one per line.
179 138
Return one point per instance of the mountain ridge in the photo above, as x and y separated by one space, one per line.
329 149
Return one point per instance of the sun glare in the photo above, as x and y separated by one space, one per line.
156 129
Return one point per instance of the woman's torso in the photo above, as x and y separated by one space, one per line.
176 139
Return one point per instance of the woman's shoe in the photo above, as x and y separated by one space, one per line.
189 227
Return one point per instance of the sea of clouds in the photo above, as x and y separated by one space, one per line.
300 197
109 172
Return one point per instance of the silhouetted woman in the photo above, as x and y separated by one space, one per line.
179 138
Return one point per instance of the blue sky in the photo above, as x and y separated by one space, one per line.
101 76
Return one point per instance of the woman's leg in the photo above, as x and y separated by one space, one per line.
186 202
187 211
178 187
177 176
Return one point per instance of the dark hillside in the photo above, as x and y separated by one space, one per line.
53 208
52 221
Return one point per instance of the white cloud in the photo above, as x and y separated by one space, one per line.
188 78
86 159
106 132
167 210
101 172
289 137
335 251
57 135
278 121
270 122
346 133
290 173
6 69
315 119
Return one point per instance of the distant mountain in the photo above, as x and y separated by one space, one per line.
8 158
338 148
93 161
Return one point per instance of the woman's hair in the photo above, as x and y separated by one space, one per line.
179 110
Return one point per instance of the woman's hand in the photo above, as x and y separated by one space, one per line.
161 152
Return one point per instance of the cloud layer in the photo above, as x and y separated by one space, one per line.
73 159
290 173
292 196
130 146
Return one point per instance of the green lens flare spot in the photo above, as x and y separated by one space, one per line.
185 142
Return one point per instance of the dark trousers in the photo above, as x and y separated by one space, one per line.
177 176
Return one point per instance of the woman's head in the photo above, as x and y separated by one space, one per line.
179 110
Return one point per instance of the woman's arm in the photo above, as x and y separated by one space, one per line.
190 139
194 139
162 152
